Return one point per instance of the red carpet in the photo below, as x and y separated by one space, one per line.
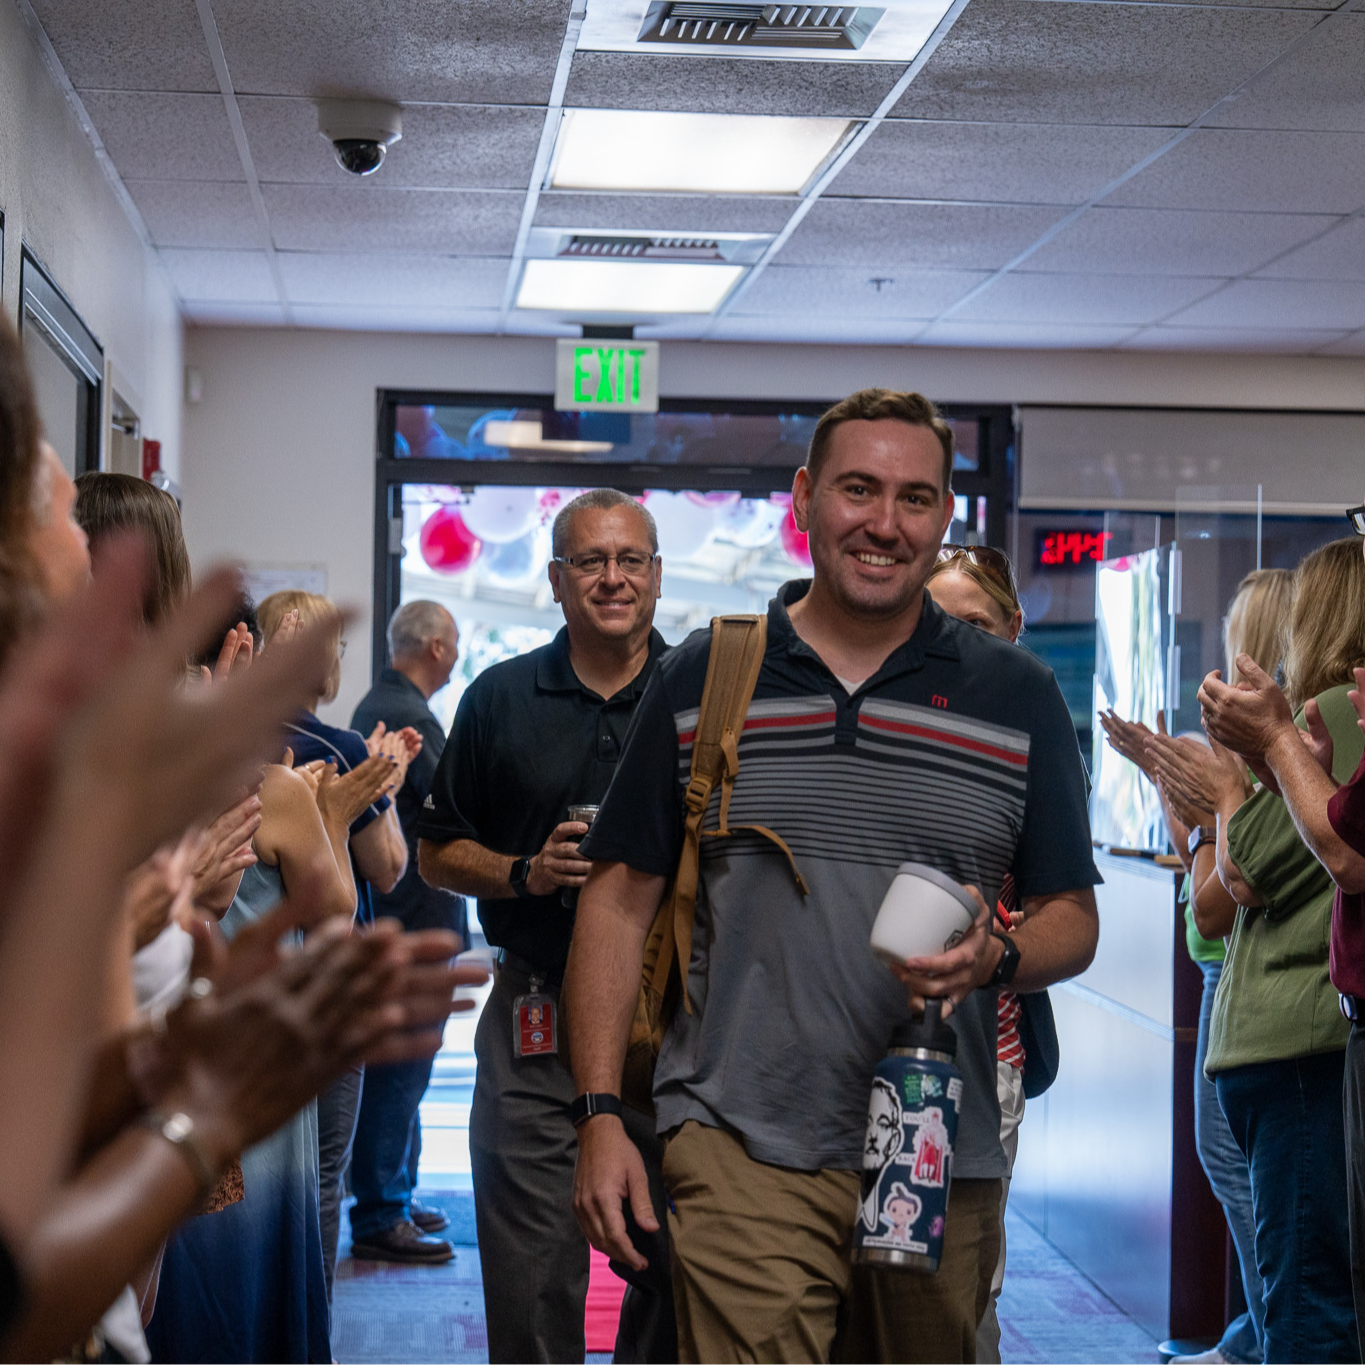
605 1293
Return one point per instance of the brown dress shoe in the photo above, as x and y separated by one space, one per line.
427 1218
403 1242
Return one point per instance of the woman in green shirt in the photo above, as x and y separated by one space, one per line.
1277 1037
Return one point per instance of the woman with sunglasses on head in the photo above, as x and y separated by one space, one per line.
975 583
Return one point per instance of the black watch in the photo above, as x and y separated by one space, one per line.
590 1105
1199 836
521 869
1008 964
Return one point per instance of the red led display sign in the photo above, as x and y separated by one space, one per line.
1066 549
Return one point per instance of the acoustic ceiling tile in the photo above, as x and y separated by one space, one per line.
1317 86
728 85
1091 300
882 236
387 282
664 212
821 291
1280 304
466 146
1269 340
474 52
197 213
216 313
394 319
1013 163
1052 61
150 45
1172 241
165 137
817 329
1254 172
368 217
1336 255
1028 335
221 276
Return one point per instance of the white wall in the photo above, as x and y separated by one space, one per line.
279 452
56 199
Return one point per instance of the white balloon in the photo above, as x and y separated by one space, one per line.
751 523
684 526
501 514
518 561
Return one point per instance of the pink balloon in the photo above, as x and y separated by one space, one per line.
447 544
795 542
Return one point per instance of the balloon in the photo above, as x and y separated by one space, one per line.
447 544
795 542
713 499
502 514
751 523
684 527
516 561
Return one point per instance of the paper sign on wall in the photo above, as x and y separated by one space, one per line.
606 376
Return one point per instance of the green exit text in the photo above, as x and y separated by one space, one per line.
614 378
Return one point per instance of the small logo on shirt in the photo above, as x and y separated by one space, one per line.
429 804
940 701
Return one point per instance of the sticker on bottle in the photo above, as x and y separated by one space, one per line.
533 1025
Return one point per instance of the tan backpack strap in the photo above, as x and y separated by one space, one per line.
773 837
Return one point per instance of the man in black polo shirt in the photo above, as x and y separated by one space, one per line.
532 737
881 731
386 1222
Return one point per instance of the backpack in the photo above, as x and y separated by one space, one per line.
737 646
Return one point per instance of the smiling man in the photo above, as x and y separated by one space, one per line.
882 731
532 737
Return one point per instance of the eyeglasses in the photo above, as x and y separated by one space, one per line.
1356 516
994 562
631 563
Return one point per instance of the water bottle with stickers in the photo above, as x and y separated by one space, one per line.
908 1156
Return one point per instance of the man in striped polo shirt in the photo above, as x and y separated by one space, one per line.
881 731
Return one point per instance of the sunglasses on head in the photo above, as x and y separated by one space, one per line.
991 561
1356 516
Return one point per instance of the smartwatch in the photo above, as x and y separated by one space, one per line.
1199 836
1008 964
521 869
587 1106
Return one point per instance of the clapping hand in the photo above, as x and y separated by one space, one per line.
1204 777
401 745
237 651
225 854
1129 738
344 797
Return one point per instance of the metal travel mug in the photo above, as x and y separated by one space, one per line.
908 1155
586 814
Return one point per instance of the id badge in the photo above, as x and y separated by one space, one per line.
533 1025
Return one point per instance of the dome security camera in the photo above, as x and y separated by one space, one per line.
360 131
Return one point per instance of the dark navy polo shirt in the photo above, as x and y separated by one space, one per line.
529 741
398 702
312 739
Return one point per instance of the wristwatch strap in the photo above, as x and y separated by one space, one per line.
178 1130
587 1106
1199 836
521 869
1005 969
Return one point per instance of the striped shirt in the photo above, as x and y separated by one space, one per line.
959 752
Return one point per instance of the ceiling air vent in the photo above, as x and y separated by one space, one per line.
702 248
644 248
816 27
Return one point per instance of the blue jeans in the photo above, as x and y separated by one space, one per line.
337 1108
1286 1117
1230 1177
387 1145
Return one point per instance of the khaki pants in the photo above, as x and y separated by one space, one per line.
762 1267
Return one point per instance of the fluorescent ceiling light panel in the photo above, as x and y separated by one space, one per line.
904 27
587 287
652 152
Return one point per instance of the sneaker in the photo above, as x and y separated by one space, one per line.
427 1218
1213 1356
403 1242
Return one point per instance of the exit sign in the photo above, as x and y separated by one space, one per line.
607 376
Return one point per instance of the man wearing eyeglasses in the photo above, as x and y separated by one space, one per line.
881 730
532 737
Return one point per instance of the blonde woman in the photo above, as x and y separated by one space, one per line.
1277 1037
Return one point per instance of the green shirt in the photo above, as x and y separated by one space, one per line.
1200 949
1274 1000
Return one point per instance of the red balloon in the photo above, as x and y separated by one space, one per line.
795 542
447 544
